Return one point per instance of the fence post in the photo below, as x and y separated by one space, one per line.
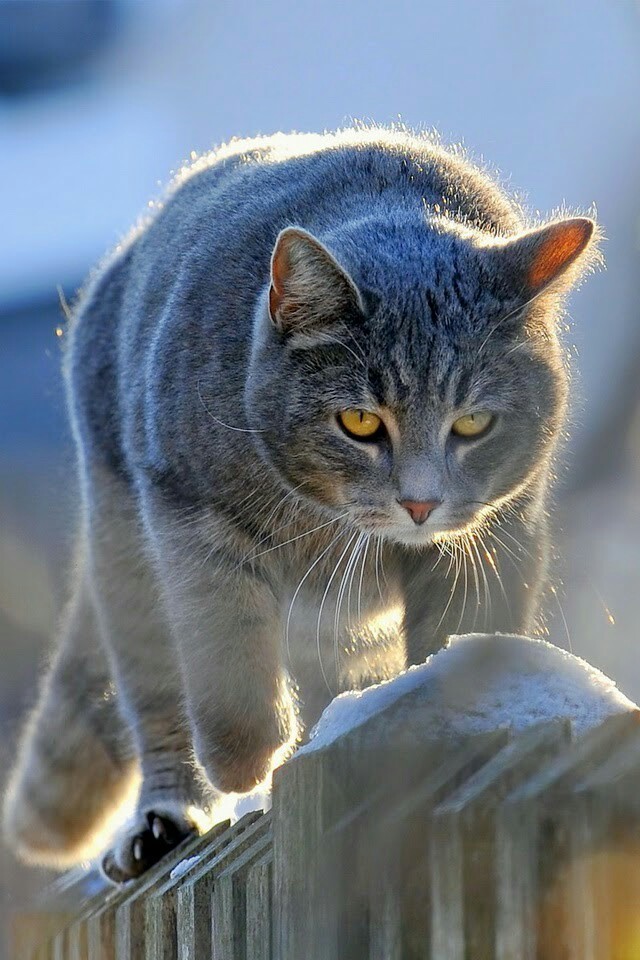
351 822
463 868
532 844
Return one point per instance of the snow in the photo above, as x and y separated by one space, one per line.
233 806
481 682
183 867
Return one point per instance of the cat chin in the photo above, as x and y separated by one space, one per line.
411 538
421 537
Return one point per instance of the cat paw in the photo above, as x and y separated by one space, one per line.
144 842
236 760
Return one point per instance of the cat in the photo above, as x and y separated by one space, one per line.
316 398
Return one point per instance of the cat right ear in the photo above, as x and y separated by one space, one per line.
551 257
309 289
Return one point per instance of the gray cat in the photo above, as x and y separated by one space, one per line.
316 399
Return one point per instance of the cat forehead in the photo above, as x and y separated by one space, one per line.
442 297
429 379
428 326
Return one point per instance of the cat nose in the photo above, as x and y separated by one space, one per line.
419 509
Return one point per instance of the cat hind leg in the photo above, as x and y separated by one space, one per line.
75 771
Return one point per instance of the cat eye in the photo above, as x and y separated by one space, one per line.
361 424
472 424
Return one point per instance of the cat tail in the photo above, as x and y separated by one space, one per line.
75 768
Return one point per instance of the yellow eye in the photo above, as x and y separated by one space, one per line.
360 423
472 425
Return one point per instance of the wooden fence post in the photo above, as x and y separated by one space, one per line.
463 863
533 843
351 821
177 915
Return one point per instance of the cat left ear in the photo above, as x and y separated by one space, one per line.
309 288
548 254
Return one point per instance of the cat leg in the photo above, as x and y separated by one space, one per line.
173 801
227 623
75 768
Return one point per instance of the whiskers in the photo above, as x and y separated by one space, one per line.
475 556
218 420
305 576
250 557
350 568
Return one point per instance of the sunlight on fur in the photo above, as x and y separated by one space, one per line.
38 842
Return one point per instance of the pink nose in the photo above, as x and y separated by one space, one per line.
419 509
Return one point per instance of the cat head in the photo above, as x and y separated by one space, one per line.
412 378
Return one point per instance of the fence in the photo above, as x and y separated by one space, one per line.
393 843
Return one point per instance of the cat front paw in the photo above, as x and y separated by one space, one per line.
146 840
238 759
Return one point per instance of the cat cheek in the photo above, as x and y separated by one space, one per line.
327 488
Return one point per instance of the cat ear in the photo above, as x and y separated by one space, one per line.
309 288
539 258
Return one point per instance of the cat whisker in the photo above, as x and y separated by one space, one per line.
453 588
476 579
452 545
221 422
442 549
339 599
300 585
327 338
284 526
377 564
359 548
248 556
515 559
494 567
384 575
466 586
357 346
286 543
519 309
362 569
519 545
487 592
322 603
554 591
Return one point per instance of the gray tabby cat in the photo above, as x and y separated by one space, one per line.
315 399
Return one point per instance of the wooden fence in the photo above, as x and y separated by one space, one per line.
390 845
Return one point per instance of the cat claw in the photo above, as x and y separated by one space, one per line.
112 871
159 829
144 849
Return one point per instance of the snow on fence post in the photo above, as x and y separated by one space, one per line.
440 817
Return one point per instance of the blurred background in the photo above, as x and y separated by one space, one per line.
101 99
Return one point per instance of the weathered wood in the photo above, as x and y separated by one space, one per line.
77 933
259 906
386 921
407 828
31 933
46 932
297 830
463 877
165 918
532 843
229 906
327 806
600 881
128 911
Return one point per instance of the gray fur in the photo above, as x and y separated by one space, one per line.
243 557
